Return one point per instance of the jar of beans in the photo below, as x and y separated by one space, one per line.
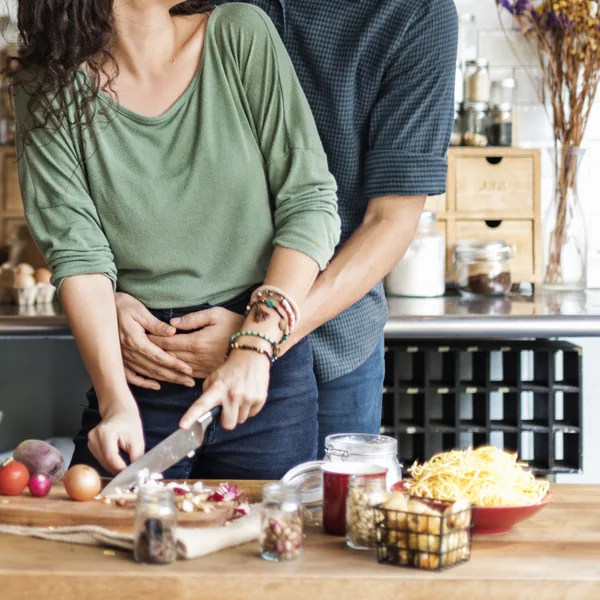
282 531
365 492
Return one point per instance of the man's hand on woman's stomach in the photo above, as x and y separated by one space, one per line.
165 355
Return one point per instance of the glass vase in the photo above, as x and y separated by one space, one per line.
564 228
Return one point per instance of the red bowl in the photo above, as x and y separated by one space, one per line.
491 520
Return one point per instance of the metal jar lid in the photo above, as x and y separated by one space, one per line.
479 250
308 479
508 83
476 106
480 63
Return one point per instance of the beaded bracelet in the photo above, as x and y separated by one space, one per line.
273 291
283 323
257 334
262 351
270 302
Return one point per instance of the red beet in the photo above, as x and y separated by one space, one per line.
40 457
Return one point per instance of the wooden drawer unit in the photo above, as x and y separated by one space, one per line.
494 193
516 233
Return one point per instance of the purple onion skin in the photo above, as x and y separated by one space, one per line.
40 457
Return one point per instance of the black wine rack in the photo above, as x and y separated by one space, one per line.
523 396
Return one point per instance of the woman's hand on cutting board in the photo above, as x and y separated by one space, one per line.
145 362
240 386
120 429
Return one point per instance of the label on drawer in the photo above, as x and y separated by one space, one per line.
482 184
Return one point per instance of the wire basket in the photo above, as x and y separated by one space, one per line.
428 535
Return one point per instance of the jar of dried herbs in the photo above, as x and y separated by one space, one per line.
155 526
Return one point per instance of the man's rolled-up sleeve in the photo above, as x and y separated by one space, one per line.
411 122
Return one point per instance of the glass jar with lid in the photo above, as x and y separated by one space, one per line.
155 526
380 450
482 268
503 91
477 80
365 492
500 125
475 124
422 271
282 528
456 137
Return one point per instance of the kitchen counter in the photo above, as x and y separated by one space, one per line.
543 315
554 556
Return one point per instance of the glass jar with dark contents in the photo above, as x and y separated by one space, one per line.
482 268
500 125
155 525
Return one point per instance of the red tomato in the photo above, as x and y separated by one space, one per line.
14 478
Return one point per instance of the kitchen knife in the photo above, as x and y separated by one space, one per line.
164 455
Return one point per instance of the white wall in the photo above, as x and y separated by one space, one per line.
498 45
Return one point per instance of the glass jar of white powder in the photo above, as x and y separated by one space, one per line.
422 271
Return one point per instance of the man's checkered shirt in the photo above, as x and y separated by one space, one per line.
379 76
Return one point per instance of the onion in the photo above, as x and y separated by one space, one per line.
39 485
82 483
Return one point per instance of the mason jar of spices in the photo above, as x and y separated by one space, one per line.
282 531
477 80
475 124
365 492
155 526
482 268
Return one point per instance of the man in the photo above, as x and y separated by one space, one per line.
379 76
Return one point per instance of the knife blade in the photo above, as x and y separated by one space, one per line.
164 455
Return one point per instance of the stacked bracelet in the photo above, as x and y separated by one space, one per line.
263 336
271 290
235 346
283 322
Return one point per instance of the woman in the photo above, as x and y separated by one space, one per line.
168 152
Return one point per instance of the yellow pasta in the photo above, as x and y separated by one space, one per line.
486 476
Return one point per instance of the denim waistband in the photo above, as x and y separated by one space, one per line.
236 305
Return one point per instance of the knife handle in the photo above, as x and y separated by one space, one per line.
215 413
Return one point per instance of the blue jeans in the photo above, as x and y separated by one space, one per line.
281 436
352 403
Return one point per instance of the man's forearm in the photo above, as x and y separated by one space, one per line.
364 260
89 304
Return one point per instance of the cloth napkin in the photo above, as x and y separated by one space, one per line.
191 542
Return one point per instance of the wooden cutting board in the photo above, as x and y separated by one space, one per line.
58 510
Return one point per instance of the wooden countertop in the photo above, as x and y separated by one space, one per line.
554 556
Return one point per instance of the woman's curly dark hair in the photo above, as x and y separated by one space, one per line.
57 37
